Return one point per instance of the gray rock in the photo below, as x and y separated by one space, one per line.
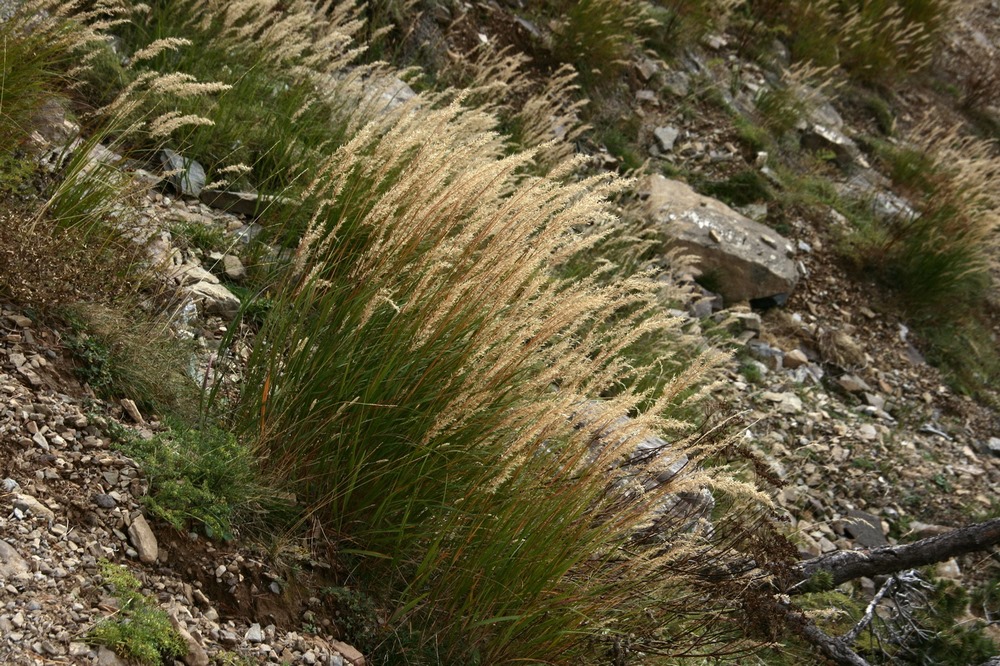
993 445
865 529
727 245
188 274
238 203
104 501
11 486
255 634
196 655
677 83
186 175
665 138
350 654
647 68
528 27
383 94
846 152
142 537
214 299
106 657
28 503
770 356
853 384
11 562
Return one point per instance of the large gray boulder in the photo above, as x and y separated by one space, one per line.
746 259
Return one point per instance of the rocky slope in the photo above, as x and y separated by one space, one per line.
870 443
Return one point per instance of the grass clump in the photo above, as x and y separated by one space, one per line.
126 353
867 39
415 382
596 36
139 631
944 253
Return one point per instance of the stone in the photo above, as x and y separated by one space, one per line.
865 529
196 655
185 174
238 203
794 359
254 634
949 570
214 299
142 537
821 138
867 432
524 24
106 657
350 654
11 562
727 245
665 138
677 83
993 446
383 94
647 68
52 125
233 267
853 384
28 503
188 274
132 410
104 501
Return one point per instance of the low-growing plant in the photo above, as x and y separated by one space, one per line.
205 237
742 188
201 478
139 631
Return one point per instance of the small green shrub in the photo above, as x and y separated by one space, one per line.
200 478
139 631
742 188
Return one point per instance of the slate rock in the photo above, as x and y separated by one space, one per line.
186 175
142 537
865 529
214 299
238 203
749 260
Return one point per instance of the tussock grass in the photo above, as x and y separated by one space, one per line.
595 36
945 254
868 39
415 381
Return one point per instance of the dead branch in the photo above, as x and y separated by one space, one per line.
845 565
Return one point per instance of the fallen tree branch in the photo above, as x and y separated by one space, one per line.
834 649
845 565
852 635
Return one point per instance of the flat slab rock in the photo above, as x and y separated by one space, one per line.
747 259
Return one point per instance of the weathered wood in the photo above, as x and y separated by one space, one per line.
845 565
